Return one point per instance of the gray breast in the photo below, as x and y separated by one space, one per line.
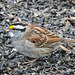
25 48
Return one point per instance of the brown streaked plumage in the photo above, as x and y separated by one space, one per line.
37 41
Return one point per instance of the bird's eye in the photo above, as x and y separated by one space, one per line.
33 41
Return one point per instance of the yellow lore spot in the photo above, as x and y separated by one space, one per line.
11 27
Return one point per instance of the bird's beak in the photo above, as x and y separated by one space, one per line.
12 26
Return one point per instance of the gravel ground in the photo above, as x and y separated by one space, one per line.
55 15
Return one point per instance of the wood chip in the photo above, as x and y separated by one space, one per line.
67 23
72 18
15 19
72 1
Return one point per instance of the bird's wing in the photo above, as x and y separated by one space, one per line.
41 36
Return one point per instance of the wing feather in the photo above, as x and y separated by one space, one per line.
41 36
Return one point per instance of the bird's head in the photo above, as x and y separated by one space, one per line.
17 29
19 26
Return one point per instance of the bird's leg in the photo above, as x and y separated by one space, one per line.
30 62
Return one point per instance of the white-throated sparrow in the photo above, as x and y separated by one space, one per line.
36 41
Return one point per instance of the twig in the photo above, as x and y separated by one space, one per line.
65 49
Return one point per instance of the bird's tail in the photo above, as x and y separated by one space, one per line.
67 40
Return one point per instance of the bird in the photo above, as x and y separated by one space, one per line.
35 41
